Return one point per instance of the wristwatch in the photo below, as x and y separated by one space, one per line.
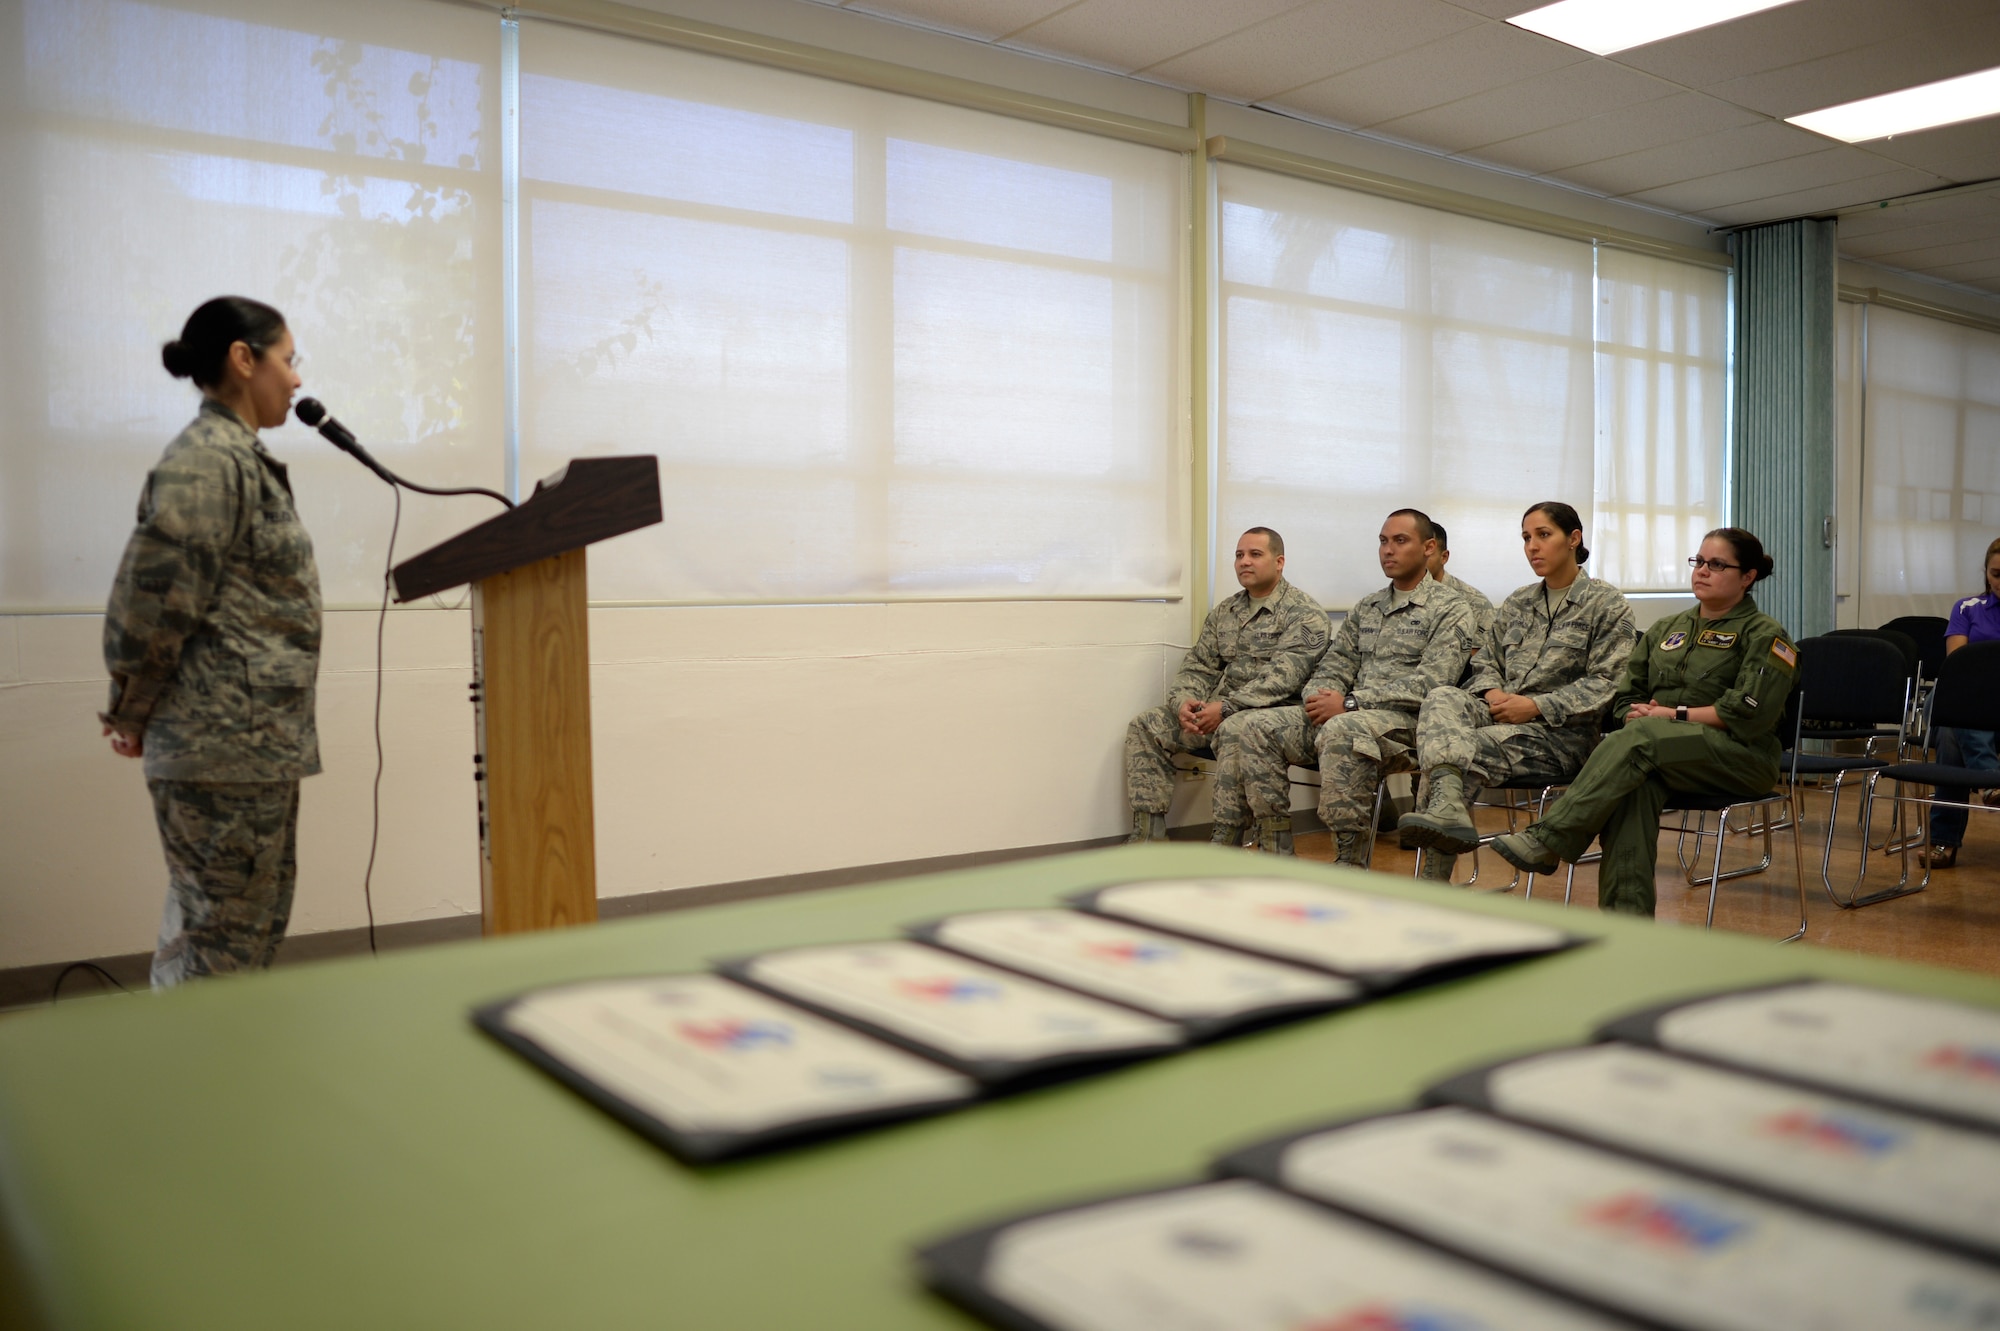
1681 712
1349 703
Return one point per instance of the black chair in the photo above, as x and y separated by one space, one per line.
1912 658
1928 633
1967 697
1845 682
1701 805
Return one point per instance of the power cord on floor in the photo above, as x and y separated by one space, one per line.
55 990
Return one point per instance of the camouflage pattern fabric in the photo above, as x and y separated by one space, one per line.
232 862
1570 662
1388 658
212 633
1482 609
1252 658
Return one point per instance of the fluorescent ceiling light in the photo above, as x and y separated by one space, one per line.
1604 26
1967 97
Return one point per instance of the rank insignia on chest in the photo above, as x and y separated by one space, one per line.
1715 638
1673 642
1785 652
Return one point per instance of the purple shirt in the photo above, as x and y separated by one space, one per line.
1977 618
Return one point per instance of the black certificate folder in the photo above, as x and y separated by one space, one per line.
1229 1255
711 1069
1922 1054
1377 940
995 1026
1208 991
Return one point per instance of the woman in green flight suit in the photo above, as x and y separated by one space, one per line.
1700 706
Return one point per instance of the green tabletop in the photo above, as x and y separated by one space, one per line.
336 1146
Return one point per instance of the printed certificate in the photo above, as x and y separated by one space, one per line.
1379 940
992 1024
1918 1053
1626 1235
1227 1255
711 1069
1926 1178
1206 989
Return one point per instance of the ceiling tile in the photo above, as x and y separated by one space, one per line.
1908 60
1460 65
1782 37
1629 129
1985 272
1695 158
1501 9
1309 44
1128 35
1784 189
1558 97
1963 152
985 19
1935 256
1907 231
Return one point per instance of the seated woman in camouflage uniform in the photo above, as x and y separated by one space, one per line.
212 641
1700 705
1547 665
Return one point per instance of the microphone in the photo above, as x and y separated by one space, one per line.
311 413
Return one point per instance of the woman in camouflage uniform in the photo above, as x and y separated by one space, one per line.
1699 711
212 641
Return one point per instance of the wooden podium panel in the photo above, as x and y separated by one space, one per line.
531 652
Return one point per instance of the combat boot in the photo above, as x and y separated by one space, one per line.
1274 835
1435 866
1350 848
1147 827
1524 850
1443 823
1229 834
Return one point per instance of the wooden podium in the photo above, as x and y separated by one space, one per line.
531 682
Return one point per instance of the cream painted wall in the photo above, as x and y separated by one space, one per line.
729 744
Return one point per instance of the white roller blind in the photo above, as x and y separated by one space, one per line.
1931 463
1662 384
881 346
1377 355
335 161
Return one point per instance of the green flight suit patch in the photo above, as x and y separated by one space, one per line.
1715 638
1673 642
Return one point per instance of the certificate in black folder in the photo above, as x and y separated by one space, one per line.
710 1069
993 1025
1649 1243
1922 1054
1929 1180
1207 990
1230 1254
1379 941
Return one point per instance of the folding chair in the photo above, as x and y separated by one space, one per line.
1967 697
1701 805
1927 631
1300 775
1540 794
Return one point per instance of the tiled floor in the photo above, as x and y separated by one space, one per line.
1953 922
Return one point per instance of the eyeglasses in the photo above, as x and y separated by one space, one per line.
1712 565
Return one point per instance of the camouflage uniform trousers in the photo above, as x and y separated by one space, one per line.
1155 736
1456 729
232 862
1353 751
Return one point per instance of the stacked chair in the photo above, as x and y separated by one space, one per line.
1966 696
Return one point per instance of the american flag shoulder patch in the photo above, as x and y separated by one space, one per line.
1785 652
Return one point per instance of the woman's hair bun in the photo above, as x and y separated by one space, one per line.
178 360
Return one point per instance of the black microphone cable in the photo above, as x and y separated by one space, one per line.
314 415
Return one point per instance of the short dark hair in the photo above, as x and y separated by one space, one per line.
1749 551
1426 529
1277 541
1443 544
1566 521
199 352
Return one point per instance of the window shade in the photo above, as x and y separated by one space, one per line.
1662 389
882 347
1376 355
1930 463
335 162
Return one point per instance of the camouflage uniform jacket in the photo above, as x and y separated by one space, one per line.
1571 664
1482 609
213 627
1254 656
1392 658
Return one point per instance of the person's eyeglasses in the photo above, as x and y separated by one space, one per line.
1712 565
